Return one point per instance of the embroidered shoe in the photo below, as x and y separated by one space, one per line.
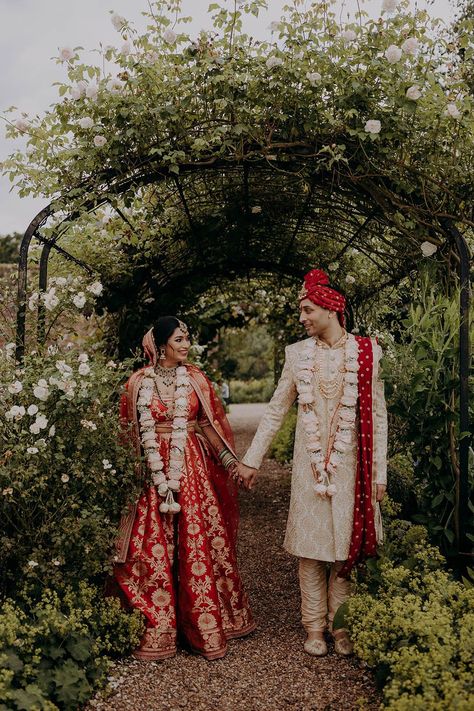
317 646
342 644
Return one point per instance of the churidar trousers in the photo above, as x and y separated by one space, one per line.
320 597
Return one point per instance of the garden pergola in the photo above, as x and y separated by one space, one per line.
258 213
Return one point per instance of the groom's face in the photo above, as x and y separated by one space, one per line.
314 318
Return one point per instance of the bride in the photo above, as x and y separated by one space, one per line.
176 551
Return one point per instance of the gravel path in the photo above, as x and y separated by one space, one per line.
267 670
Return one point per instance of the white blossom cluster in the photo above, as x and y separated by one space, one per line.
62 288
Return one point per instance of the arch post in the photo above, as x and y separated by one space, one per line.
462 483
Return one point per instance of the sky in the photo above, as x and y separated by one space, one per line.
34 29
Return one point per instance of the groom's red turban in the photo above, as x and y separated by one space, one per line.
316 288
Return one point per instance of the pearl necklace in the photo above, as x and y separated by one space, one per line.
168 482
325 466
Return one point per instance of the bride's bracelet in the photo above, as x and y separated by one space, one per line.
227 458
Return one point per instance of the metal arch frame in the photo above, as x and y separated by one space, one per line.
448 227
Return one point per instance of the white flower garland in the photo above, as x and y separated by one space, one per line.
325 466
168 482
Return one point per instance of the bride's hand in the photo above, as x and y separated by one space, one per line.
247 475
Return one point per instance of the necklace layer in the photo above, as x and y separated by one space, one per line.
166 375
324 465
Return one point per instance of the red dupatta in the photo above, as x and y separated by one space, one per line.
363 541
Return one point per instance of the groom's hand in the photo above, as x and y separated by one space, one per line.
247 475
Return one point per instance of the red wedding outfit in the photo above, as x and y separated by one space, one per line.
181 570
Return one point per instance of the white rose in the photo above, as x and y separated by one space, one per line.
256 209
86 122
64 478
15 387
63 367
83 358
452 110
313 77
96 288
350 279
32 301
41 421
22 125
92 91
80 88
125 49
75 93
334 266
50 299
80 299
115 86
348 36
413 92
32 563
118 21
32 450
52 431
62 281
100 141
32 410
84 369
35 428
65 54
41 393
373 126
274 62
428 249
390 5
169 36
410 45
393 54
10 348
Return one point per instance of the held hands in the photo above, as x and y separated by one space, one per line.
246 475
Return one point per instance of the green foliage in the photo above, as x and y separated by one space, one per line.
414 625
9 248
283 443
422 382
251 390
245 355
55 651
65 472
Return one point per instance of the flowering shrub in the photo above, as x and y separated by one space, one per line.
421 376
414 624
55 651
65 474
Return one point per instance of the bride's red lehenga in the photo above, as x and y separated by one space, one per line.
181 570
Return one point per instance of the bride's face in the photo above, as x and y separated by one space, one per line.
177 347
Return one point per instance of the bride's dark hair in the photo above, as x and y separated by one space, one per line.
164 328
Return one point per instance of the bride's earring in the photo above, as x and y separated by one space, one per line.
162 354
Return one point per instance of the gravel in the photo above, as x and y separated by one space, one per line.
269 669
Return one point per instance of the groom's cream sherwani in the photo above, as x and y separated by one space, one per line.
320 528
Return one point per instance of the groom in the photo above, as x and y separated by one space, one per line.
339 460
